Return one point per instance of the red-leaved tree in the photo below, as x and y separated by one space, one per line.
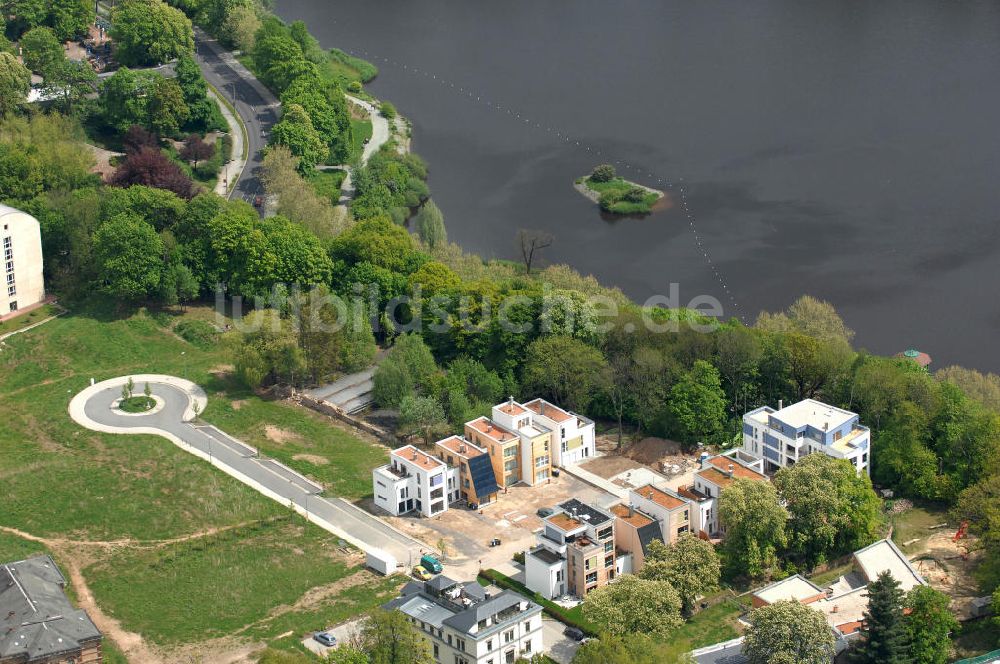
137 138
152 168
195 150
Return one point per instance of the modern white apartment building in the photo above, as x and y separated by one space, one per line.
716 475
572 434
22 284
414 481
465 625
782 437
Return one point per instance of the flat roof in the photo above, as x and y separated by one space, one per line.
455 444
884 555
794 587
542 407
630 515
564 521
593 515
816 413
511 407
718 472
488 427
411 454
660 497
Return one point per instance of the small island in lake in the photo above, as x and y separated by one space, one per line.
615 194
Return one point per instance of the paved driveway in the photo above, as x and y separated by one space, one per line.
244 462
558 646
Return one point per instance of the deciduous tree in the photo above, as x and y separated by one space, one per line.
42 51
689 564
929 624
697 404
565 370
129 255
632 605
389 638
149 32
152 168
15 83
788 632
755 525
296 132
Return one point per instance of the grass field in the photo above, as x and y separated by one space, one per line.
213 586
327 184
30 318
362 131
717 623
58 480
915 524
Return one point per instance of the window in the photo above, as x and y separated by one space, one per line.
605 533
609 547
541 462
527 625
489 645
510 451
437 654
592 578
510 465
609 561
460 644
508 636
437 479
11 290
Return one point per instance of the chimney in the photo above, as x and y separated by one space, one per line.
631 511
413 455
834 610
461 448
780 404
650 495
730 470
541 408
510 400
574 512
489 426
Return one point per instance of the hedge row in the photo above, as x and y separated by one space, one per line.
549 607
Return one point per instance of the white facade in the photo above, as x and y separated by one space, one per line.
572 434
464 625
414 481
545 572
782 437
22 283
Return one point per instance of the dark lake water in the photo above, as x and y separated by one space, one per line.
845 149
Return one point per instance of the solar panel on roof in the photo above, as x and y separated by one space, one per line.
483 478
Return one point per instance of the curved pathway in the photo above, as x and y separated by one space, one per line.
181 399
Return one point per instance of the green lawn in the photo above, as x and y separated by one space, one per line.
327 183
362 131
717 623
30 318
299 438
14 548
915 523
215 585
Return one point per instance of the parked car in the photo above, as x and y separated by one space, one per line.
495 541
422 573
326 638
431 564
545 511
574 633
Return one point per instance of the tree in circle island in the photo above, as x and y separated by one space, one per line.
788 632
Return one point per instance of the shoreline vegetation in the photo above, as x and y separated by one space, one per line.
618 196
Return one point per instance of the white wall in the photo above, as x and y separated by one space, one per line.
26 249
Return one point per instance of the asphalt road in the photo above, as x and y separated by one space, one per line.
244 459
257 107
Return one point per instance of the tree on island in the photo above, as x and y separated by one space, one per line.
530 242
603 173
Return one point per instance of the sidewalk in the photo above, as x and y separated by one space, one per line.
236 161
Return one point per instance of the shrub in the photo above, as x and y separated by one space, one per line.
354 86
388 110
197 332
635 195
603 173
519 557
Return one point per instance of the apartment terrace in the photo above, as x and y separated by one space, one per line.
492 431
411 454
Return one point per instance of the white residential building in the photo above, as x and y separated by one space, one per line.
414 481
465 625
782 437
572 434
717 474
23 286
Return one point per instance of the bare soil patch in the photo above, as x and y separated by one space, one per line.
279 435
314 459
